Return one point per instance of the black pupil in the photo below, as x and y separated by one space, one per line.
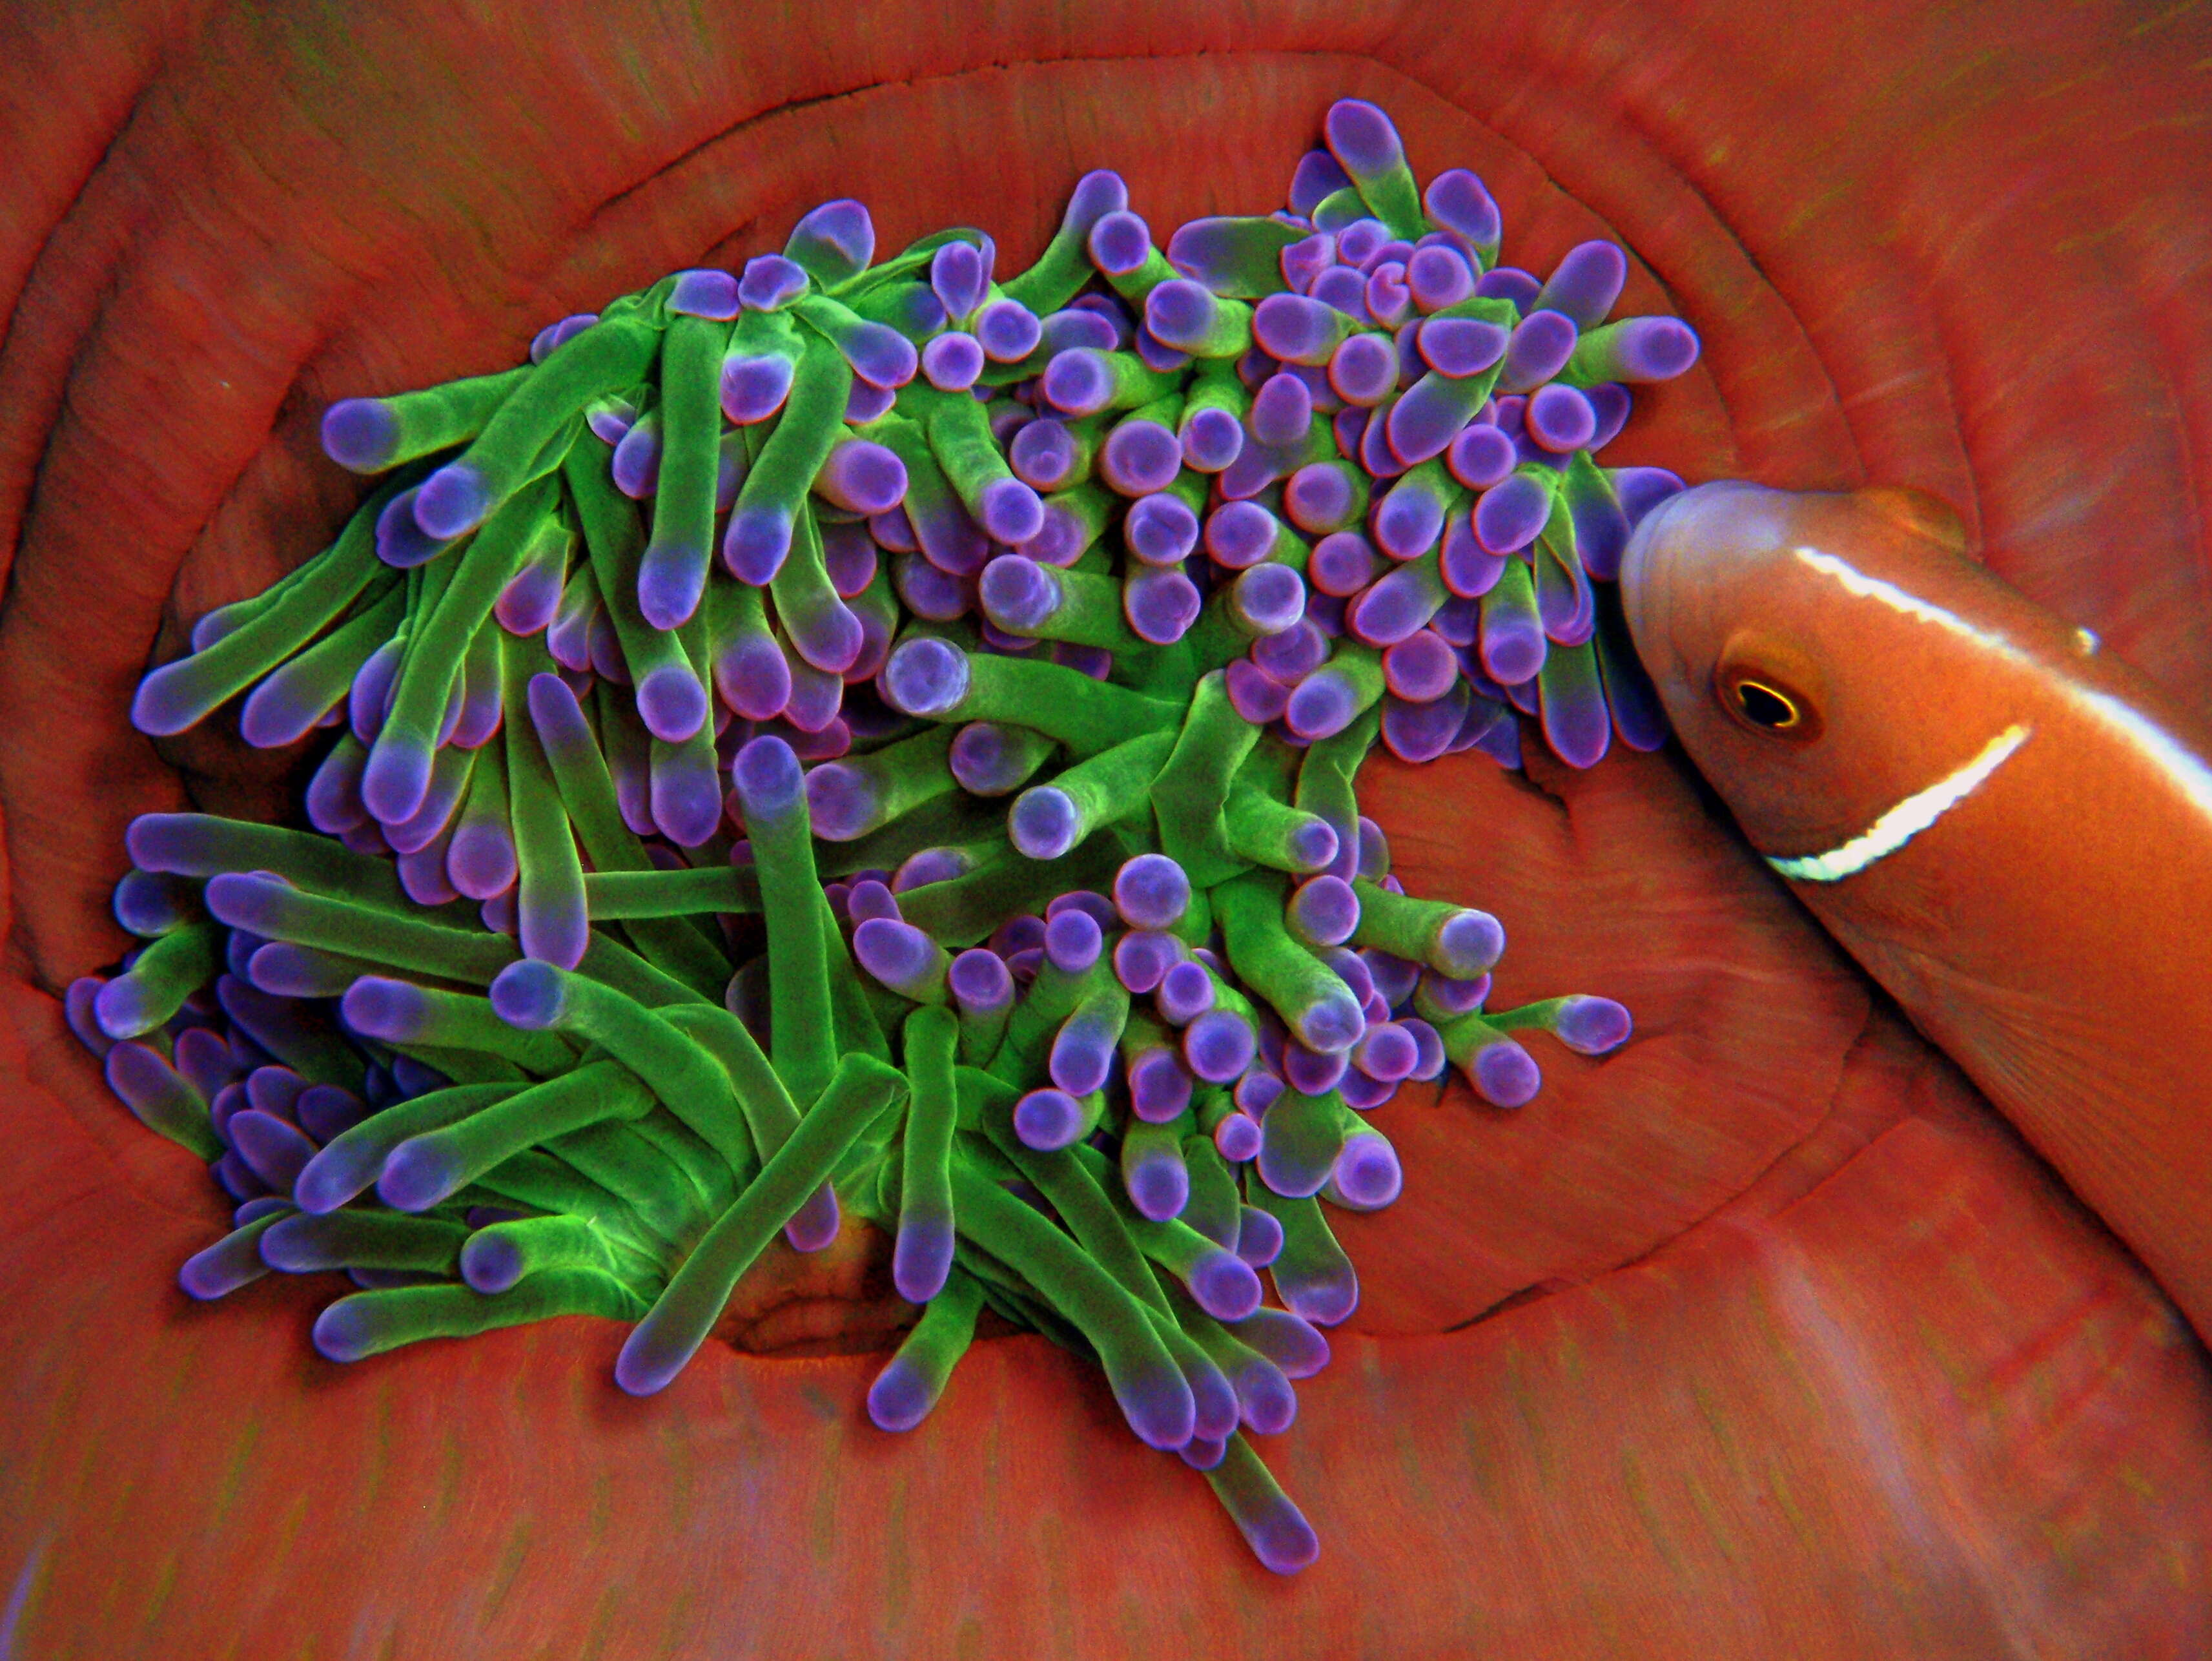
1764 705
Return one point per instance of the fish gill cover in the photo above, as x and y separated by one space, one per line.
973 846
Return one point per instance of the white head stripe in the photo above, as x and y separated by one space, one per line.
1857 582
2181 767
1907 819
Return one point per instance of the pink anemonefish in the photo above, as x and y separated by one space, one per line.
2008 828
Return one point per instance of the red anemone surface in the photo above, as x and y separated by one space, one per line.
1762 1338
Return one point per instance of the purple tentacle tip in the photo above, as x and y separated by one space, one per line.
400 542
1367 1176
768 777
1259 1243
452 500
836 238
1160 605
1361 138
952 362
1152 891
927 677
1592 1027
1211 438
1140 457
1158 1405
901 1396
754 388
1159 1088
1082 1056
1048 1119
705 293
980 980
1560 418
770 282
1160 529
922 1258
1456 200
756 544
274 1150
1388 1052
1007 331
1158 1184
841 801
1324 911
1043 823
896 954
1073 941
1224 1285
361 434
1237 1137
1332 1023
1504 1075
1469 943
1218 1045
1119 242
529 995
671 703
1186 990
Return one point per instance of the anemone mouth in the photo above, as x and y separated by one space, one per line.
841 1301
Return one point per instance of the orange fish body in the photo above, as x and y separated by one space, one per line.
2009 829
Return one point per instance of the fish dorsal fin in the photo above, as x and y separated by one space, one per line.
1913 509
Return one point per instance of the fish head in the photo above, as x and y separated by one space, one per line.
1828 658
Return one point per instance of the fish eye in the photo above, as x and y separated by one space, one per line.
1764 706
1754 688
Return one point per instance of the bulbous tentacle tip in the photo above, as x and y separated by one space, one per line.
1504 1075
901 1396
646 1365
454 500
1368 1176
345 1332
1281 1538
531 995
1200 1454
770 282
361 434
1362 138
834 241
705 293
1048 1119
1325 1298
922 1258
814 1226
491 1262
768 777
1226 1286
673 702
1258 1235
927 678
1157 1402
417 1176
671 578
1593 1026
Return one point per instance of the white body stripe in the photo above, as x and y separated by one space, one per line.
2182 768
1907 819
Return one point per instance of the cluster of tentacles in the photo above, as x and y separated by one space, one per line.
653 905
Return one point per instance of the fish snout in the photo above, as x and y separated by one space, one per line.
1684 560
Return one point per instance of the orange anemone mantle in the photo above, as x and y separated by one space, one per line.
1762 1338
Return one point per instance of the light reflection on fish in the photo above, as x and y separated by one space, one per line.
2010 829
